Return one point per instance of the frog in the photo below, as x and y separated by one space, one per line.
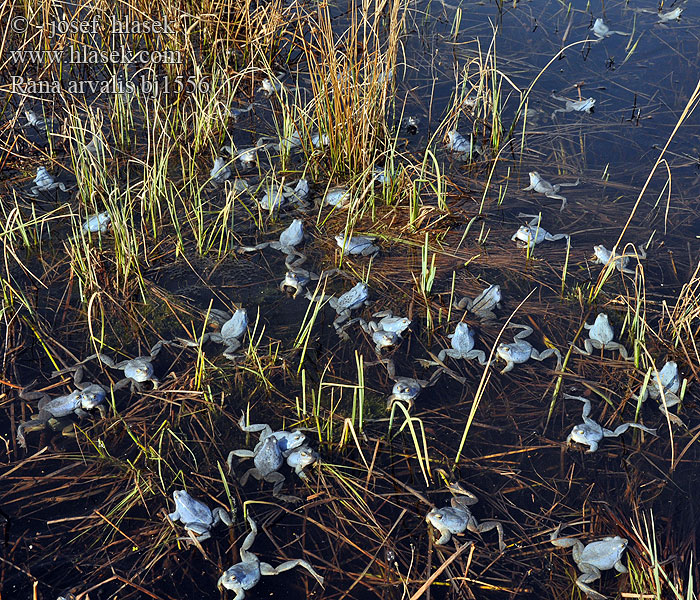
289 143
668 380
136 370
593 558
410 124
457 518
230 334
482 305
344 305
460 146
34 120
300 458
267 458
603 256
295 282
245 575
462 341
406 389
99 223
291 237
589 433
197 518
286 440
87 396
532 234
382 175
357 244
600 337
44 182
319 140
602 31
221 170
387 322
520 350
542 186
671 15
338 196
277 195
270 86
587 105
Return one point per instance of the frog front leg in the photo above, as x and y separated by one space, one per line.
341 323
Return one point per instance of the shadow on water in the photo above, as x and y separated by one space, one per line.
90 513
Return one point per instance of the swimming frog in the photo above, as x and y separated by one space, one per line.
589 433
603 256
339 196
541 186
482 305
668 380
100 222
229 335
601 30
86 397
44 182
593 558
197 518
458 144
457 518
600 337
357 244
532 234
246 574
288 240
586 105
520 350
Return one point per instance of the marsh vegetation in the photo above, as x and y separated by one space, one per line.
143 209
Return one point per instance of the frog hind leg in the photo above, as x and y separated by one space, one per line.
545 354
268 569
278 480
487 526
590 574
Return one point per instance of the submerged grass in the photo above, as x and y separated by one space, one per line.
444 228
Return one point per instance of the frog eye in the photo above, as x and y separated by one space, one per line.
506 348
438 516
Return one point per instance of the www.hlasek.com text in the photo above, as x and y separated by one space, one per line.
92 56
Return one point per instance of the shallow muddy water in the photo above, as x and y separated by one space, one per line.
88 514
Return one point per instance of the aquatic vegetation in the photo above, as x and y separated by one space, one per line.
401 126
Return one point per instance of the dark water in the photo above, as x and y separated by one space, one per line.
514 459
